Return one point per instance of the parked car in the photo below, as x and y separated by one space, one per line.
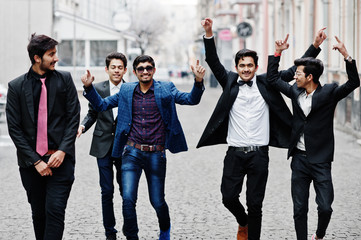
3 92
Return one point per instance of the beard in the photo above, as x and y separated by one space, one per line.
46 67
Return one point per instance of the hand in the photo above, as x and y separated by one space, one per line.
80 131
319 38
87 79
56 159
43 169
207 25
340 46
281 45
198 71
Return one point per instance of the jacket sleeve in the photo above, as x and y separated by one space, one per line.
90 118
213 62
184 98
72 117
15 128
287 75
100 104
273 77
353 81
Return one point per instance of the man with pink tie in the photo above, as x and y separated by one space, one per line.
42 113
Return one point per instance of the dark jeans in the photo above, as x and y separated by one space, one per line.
48 197
154 164
303 172
106 178
237 165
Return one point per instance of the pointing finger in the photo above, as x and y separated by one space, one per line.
286 38
338 40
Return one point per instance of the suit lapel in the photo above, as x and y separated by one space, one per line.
106 92
51 93
315 97
28 90
234 89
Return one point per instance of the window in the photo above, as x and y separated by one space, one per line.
99 50
65 53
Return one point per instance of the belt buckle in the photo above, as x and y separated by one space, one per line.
144 147
247 149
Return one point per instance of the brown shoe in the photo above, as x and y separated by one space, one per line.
242 233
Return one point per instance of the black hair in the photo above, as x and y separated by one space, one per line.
246 53
311 66
141 59
115 55
39 44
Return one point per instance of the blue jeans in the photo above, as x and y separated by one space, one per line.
154 166
303 173
106 176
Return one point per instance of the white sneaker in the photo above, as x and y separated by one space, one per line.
314 237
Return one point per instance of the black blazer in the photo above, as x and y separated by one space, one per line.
63 115
104 131
318 125
280 115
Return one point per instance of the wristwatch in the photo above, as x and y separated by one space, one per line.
349 58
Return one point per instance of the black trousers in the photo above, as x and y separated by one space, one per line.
303 173
48 198
237 165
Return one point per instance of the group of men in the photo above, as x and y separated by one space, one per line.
137 121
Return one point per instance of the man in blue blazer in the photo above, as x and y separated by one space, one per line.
312 138
147 125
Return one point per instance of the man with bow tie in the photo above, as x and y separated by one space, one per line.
250 116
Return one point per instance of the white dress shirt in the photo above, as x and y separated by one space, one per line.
114 89
249 118
305 102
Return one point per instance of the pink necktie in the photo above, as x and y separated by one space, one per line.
42 133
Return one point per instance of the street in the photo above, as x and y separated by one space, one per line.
192 190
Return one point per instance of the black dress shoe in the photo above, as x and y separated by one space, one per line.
112 237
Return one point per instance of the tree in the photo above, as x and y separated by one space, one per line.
149 22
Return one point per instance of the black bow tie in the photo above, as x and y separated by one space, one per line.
249 83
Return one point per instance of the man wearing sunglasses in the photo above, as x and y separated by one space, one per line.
147 125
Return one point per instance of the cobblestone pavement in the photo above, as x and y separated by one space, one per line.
192 190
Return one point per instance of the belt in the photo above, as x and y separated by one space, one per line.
301 152
146 147
49 152
248 148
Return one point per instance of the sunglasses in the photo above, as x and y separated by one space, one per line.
148 68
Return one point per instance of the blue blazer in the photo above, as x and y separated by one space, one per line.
166 96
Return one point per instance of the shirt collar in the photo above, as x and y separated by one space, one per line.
137 88
111 85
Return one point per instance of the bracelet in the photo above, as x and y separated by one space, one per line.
37 162
277 54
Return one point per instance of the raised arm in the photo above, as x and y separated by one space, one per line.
313 51
99 104
273 76
207 24
351 70
211 53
